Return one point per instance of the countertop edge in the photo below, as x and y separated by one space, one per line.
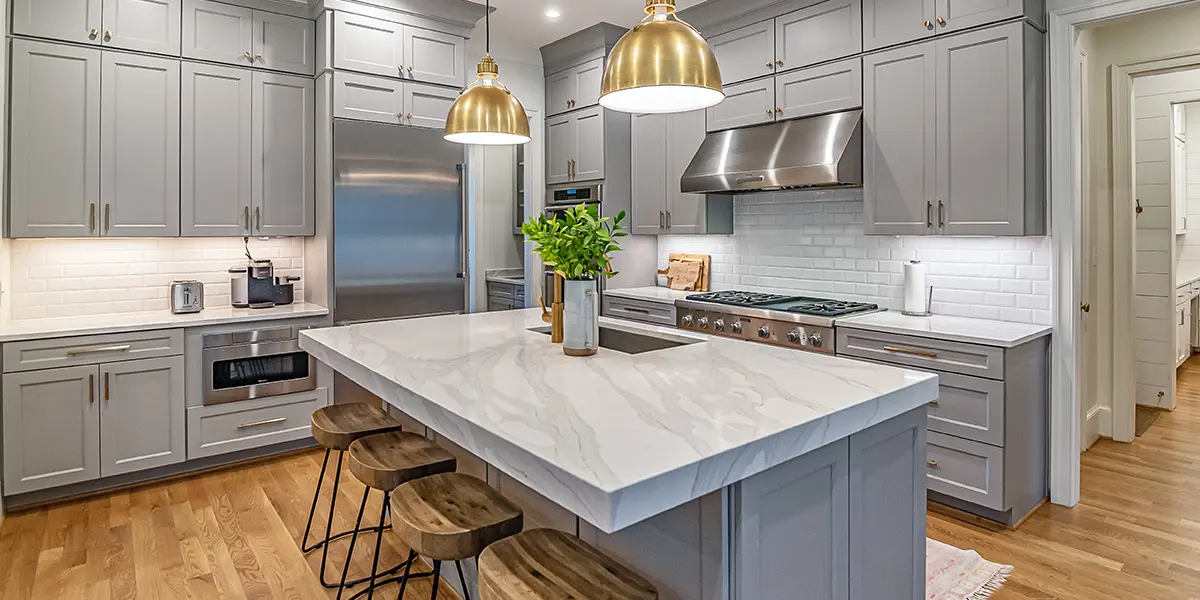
1043 331
168 322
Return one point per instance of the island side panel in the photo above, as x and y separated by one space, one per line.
887 510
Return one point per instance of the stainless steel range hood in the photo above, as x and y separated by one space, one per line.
824 151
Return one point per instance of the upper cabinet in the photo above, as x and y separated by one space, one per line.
283 43
216 150
142 25
574 88
663 147
745 53
812 91
379 47
240 36
368 98
954 137
891 22
284 153
575 148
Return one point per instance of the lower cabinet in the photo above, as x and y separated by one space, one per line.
235 426
74 424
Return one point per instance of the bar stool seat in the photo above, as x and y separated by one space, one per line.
451 516
546 564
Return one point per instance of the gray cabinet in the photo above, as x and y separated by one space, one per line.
379 47
218 32
284 43
745 104
648 169
435 57
745 53
890 22
561 135
368 98
143 25
139 153
284 151
141 415
969 97
575 151
217 127
77 21
427 105
808 499
662 149
817 90
55 140
685 212
822 32
956 15
576 87
643 310
51 428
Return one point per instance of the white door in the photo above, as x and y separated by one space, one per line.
648 166
284 43
284 152
746 52
434 57
589 145
139 146
55 141
141 415
427 105
143 25
77 21
368 45
368 98
685 212
216 133
561 133
51 428
218 32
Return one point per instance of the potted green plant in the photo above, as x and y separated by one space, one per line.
579 244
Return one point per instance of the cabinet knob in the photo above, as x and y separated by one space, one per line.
778 63
107 35
1085 307
247 55
258 57
770 65
778 110
770 112
928 24
409 117
932 464
409 69
933 402
93 33
941 21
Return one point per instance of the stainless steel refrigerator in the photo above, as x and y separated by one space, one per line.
399 248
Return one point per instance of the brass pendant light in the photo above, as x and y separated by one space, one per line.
662 65
487 113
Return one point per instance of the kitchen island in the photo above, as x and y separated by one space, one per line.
716 468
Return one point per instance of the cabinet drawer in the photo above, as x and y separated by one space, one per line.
90 350
969 407
235 426
922 353
966 470
637 310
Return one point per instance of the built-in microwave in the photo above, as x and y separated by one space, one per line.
258 363
558 199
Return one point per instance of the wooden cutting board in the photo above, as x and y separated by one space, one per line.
705 261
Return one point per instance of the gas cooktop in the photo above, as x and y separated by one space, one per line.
821 307
798 322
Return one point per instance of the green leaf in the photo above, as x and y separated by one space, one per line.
578 242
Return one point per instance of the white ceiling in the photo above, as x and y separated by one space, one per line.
521 26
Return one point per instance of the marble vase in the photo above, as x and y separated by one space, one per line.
581 317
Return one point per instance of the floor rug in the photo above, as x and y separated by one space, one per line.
953 574
1145 417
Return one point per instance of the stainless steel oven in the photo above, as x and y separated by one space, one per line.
244 365
558 199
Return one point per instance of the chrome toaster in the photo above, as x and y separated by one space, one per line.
187 297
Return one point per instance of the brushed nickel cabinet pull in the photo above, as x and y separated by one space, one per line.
928 214
636 310
932 464
662 220
107 221
668 219
91 389
100 350
106 396
92 216
941 214
770 65
258 218
924 353
246 215
410 70
262 423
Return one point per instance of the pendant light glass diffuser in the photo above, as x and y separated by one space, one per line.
487 113
662 65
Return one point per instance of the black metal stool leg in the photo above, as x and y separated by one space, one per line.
437 576
354 538
463 580
412 556
337 478
378 543
304 547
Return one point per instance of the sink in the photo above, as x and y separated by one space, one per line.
627 341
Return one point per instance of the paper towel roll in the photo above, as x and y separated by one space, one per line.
915 288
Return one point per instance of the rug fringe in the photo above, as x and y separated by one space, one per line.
993 585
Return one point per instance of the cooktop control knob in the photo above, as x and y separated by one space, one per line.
764 332
719 325
794 336
814 340
686 320
702 323
736 327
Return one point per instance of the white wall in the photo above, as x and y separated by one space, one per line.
795 241
1187 246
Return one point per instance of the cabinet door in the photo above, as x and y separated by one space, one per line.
427 106
817 90
218 32
806 499
55 144
588 79
649 176
957 15
51 428
685 212
434 57
589 144
284 152
750 103
818 33
887 499
560 150
745 53
141 415
215 153
139 148
284 43
898 142
891 22
67 20
143 25
981 132
368 45
368 98
560 88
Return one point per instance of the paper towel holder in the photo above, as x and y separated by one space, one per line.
928 306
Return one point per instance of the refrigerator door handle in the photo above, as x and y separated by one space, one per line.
462 204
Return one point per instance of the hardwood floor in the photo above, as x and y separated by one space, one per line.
234 534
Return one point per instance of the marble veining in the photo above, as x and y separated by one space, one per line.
1003 334
615 438
36 329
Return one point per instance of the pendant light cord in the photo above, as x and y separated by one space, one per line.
487 43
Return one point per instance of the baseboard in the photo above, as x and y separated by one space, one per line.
1152 407
1097 424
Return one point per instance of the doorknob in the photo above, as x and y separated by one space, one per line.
1085 307
1137 206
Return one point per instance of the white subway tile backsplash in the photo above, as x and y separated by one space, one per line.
62 278
819 247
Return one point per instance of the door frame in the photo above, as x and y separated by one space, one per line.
1066 232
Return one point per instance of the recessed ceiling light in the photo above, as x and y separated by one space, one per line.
553 13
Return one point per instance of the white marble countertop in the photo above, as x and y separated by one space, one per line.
615 438
943 327
513 276
650 294
1186 277
33 329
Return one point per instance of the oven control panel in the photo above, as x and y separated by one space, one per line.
780 333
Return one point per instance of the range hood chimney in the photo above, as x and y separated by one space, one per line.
815 152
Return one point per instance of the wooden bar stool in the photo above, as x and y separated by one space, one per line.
452 516
546 564
335 427
382 462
